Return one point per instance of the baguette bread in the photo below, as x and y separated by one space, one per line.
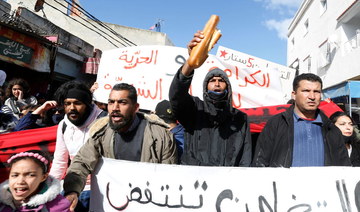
200 52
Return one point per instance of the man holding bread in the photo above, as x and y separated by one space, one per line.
216 134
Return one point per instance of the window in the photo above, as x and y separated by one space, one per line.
324 54
323 6
292 45
353 43
358 37
306 26
295 65
307 63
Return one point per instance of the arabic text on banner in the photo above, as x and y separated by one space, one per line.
135 186
151 69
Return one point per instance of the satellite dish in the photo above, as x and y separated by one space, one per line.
334 40
39 5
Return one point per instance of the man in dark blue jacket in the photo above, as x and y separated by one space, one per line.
164 111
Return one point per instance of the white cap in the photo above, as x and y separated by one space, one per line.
2 77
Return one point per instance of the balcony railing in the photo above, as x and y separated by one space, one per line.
353 43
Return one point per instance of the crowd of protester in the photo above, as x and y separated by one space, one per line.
184 130
20 110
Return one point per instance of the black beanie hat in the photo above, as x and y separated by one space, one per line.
81 95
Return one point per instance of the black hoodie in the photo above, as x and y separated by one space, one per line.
216 134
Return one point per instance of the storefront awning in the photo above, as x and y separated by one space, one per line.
347 88
91 65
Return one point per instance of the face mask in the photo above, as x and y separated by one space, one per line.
217 96
56 118
39 122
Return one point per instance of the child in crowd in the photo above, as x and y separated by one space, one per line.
40 116
30 188
18 96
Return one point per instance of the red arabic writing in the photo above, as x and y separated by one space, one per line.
258 77
137 58
152 93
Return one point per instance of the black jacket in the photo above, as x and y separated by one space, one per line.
274 146
355 153
214 136
355 148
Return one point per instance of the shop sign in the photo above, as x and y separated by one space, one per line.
15 50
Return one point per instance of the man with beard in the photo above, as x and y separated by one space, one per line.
216 134
72 133
302 135
125 135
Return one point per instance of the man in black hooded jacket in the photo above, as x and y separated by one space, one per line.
216 134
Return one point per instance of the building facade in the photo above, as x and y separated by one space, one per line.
324 39
103 36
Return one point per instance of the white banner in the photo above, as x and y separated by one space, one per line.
133 186
245 61
151 70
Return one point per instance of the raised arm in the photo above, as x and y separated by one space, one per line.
187 69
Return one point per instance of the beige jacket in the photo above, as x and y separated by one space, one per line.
158 147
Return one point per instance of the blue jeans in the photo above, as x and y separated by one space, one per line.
83 204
